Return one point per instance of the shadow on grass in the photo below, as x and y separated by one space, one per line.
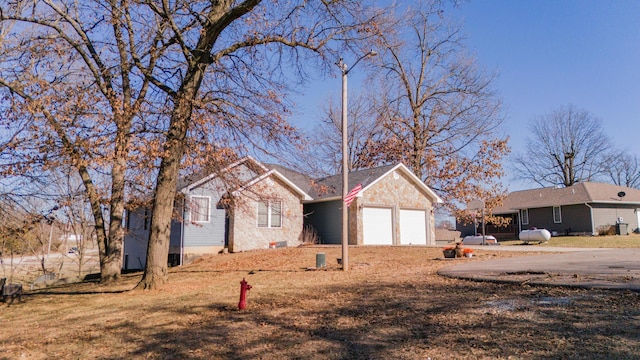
90 285
55 291
381 321
251 271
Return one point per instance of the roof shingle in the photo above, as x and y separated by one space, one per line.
587 192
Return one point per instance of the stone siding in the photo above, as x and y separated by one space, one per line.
396 191
244 233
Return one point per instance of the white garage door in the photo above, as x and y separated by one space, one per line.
413 227
377 224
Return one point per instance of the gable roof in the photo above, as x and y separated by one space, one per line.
330 187
302 181
401 167
187 183
322 189
278 175
587 192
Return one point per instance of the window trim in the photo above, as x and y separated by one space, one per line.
524 219
559 220
269 214
207 215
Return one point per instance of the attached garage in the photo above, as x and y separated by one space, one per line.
413 227
393 207
377 226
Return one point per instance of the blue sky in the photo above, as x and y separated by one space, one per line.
547 54
552 53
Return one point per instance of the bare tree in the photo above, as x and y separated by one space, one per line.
224 52
566 146
13 231
69 73
435 108
622 169
326 139
129 93
74 219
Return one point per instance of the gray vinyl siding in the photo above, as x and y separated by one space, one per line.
206 234
326 218
136 238
211 233
575 219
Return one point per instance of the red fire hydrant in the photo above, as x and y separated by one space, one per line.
244 287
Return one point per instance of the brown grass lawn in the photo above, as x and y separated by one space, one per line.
609 241
391 305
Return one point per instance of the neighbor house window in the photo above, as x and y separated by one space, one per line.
270 214
557 215
525 216
199 208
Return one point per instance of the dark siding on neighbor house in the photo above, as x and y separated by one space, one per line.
575 219
508 232
326 218
465 229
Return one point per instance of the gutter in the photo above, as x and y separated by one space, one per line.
332 198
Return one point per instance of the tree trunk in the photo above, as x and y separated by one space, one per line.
156 272
112 261
96 211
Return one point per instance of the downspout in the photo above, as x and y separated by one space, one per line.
184 214
593 230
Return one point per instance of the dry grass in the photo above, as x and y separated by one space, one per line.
391 305
606 241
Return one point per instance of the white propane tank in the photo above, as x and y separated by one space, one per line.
540 235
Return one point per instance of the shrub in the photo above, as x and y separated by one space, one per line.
606 230
309 236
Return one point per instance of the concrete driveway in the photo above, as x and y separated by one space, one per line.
586 268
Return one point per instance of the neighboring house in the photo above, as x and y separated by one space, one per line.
266 207
249 206
582 209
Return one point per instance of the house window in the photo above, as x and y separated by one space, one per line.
557 215
199 208
525 216
270 214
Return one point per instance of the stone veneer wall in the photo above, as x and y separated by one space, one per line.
244 233
396 191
